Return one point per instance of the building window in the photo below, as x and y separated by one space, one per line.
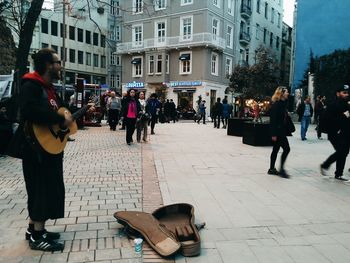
103 41
72 55
265 34
112 58
215 28
272 15
230 4
228 67
159 4
103 61
88 37
80 35
277 43
186 27
117 33
95 39
44 45
80 57
216 3
54 28
151 64
115 9
229 37
159 64
55 48
72 32
88 59
185 63
137 38
214 64
257 33
271 39
186 2
95 60
247 55
118 60
258 3
266 10
117 81
112 80
137 66
160 31
279 20
44 26
137 6
167 65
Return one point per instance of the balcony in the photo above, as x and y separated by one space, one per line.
246 11
244 38
200 39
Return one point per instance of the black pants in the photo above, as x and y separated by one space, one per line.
217 119
319 134
113 118
341 145
282 141
153 122
130 128
202 116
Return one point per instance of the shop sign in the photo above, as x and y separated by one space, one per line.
185 83
135 84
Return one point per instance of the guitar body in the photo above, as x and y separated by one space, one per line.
52 139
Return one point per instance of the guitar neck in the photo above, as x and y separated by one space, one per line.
80 112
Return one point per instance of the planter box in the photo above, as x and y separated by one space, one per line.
235 126
256 134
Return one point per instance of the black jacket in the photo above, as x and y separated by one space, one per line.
301 110
338 122
217 109
125 106
278 113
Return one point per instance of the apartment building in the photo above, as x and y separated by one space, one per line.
187 48
286 54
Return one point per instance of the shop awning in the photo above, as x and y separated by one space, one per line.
184 57
136 61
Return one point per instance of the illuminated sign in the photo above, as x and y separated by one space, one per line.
185 83
135 84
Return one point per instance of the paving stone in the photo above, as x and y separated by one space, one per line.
108 254
83 256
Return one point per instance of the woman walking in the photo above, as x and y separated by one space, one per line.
131 111
279 130
142 120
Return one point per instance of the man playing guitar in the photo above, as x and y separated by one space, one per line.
43 172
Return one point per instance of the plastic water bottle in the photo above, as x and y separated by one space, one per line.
138 245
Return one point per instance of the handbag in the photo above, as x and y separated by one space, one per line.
290 128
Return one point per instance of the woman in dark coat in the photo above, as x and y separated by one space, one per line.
279 130
131 111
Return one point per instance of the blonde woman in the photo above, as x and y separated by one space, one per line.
279 130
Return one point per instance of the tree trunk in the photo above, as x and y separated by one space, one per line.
25 39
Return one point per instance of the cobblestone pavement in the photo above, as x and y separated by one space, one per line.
251 216
102 175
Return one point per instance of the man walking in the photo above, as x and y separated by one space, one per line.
305 112
153 108
114 107
201 109
338 127
319 109
43 172
217 113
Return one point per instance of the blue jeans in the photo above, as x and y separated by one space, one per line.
305 122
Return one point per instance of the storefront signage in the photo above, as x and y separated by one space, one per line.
135 84
185 83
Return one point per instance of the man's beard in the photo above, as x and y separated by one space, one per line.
56 75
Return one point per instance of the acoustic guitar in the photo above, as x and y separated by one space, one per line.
53 139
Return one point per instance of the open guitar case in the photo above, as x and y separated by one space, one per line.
167 230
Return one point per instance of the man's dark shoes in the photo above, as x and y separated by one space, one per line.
273 171
284 174
45 244
152 132
50 235
340 178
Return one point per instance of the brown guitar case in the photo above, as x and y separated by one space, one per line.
167 230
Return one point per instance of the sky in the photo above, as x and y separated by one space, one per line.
288 10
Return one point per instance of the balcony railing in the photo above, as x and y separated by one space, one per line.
244 38
200 39
246 11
